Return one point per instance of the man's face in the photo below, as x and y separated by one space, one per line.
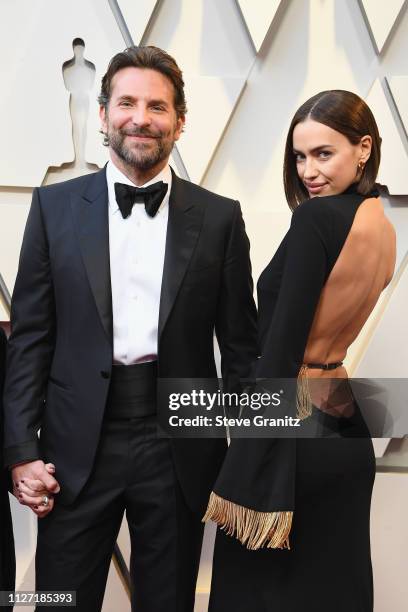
141 122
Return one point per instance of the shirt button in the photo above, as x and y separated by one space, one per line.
105 374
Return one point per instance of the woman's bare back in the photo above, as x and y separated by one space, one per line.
363 269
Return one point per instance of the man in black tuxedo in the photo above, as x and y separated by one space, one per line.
111 294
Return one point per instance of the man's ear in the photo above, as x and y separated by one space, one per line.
179 126
102 116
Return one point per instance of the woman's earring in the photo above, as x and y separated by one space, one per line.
360 166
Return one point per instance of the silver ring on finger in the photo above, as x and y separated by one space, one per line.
45 500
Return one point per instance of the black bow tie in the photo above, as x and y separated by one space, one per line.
152 196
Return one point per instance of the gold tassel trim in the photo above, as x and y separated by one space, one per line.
303 399
252 528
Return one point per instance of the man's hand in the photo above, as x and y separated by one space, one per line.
32 483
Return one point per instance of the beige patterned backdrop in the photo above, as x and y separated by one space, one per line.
248 65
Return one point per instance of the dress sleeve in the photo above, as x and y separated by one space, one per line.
253 498
304 273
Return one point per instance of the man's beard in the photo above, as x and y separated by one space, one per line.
142 156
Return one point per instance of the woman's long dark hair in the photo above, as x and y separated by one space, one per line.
346 113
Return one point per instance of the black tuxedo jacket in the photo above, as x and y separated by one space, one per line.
60 349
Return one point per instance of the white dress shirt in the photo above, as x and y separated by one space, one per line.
136 248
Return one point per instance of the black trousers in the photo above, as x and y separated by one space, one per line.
133 473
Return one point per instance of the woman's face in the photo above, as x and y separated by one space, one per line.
326 161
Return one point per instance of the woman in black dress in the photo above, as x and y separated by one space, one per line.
7 559
311 497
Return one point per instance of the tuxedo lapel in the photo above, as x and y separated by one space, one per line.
183 228
90 212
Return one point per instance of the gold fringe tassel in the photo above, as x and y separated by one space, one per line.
252 528
303 399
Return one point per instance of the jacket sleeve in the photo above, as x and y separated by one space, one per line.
31 343
236 319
